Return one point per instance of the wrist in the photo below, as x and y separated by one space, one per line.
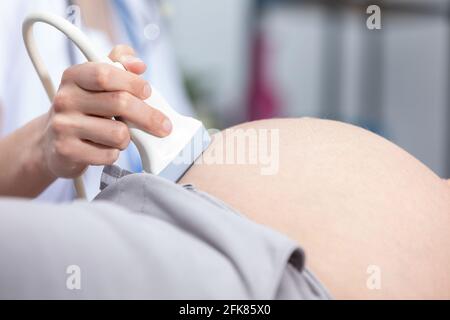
35 162
24 158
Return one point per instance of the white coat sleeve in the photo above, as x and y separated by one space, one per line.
10 16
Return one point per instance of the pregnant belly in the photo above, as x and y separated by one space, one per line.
373 220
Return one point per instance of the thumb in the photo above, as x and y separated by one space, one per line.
127 57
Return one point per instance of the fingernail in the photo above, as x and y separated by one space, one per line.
167 126
147 91
130 59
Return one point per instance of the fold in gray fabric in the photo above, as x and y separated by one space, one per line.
146 238
265 263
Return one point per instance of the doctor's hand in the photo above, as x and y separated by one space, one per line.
80 130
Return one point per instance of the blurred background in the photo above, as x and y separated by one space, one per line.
250 59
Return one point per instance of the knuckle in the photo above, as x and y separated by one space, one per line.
61 102
101 75
121 135
121 100
112 156
67 74
59 124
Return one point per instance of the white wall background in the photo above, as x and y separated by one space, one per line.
211 41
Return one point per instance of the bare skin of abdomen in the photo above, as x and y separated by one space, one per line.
359 206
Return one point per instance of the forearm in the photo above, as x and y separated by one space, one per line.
24 171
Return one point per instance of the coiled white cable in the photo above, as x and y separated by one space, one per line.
78 38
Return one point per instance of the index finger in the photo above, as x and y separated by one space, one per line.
92 76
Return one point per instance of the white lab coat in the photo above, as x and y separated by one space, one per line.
23 97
